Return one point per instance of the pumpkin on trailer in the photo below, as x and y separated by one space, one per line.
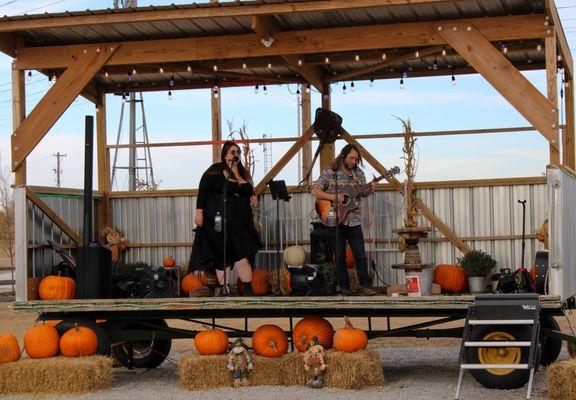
294 255
270 341
169 262
79 342
9 348
211 342
451 278
312 326
54 287
260 282
192 282
42 341
350 339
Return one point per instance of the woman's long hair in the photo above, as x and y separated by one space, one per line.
342 156
221 166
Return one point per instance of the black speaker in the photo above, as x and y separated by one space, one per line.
93 272
319 244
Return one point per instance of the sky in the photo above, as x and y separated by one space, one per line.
430 103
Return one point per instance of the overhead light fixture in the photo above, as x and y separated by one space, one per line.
267 42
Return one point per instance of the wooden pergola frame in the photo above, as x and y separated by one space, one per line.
472 39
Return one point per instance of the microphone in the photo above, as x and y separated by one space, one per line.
235 160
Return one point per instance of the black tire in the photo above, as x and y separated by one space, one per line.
498 378
551 347
104 346
147 353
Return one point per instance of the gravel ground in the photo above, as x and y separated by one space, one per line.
410 373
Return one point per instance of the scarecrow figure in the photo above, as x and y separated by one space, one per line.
116 242
239 363
314 364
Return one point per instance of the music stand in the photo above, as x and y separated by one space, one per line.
279 192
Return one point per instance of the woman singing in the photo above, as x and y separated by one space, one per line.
225 231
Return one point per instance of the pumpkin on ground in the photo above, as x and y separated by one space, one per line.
169 262
192 282
312 326
42 341
451 278
54 287
350 339
79 342
270 341
9 348
294 255
211 342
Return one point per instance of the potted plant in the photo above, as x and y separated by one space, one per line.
477 264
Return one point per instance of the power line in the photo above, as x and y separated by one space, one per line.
9 2
41 7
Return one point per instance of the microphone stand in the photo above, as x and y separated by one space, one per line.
225 291
337 233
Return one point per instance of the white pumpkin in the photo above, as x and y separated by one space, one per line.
294 255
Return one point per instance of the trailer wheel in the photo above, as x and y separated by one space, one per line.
104 346
551 347
499 378
146 353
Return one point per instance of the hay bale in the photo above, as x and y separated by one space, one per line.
266 372
561 378
199 372
56 375
293 373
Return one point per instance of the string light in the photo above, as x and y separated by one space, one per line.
269 64
54 77
298 94
161 69
504 47
404 74
384 56
453 79
215 68
106 74
134 72
327 60
188 68
417 54
352 87
344 89
171 80
123 97
29 75
265 90
307 88
357 57
539 47
244 65
372 82
401 83
256 89
435 64
130 76
169 95
215 90
444 52
300 62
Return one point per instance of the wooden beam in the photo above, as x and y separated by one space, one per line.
328 152
8 44
53 216
562 42
568 143
426 212
552 90
390 61
216 112
284 160
57 100
104 208
18 115
504 77
266 29
195 12
306 107
416 34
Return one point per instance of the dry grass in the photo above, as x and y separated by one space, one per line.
56 375
345 371
561 377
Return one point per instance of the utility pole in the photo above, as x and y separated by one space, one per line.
58 169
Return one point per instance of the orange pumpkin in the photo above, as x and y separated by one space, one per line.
9 348
533 272
55 287
169 262
270 341
350 339
451 278
79 342
42 341
211 342
312 326
260 282
191 282
350 262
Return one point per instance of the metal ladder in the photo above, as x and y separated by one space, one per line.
502 309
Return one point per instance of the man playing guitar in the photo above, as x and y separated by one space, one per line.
344 171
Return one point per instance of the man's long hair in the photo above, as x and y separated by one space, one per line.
342 156
221 166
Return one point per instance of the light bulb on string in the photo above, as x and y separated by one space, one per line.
352 87
453 79
256 88
298 94
444 52
401 83
435 64
134 72
171 81
357 57
300 61
384 56
269 64
504 47
265 90
372 82
188 68
130 76
344 89
417 54
215 90
539 47
161 69
327 60
123 97
54 77
307 88
29 75
215 68
106 74
244 65
169 95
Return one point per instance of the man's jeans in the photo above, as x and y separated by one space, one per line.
355 238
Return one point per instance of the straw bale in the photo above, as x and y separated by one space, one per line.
60 375
266 372
561 377
198 372
353 370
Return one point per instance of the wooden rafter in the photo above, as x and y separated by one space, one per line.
552 90
57 100
426 212
288 42
201 12
563 46
504 77
53 216
266 29
568 149
8 44
384 64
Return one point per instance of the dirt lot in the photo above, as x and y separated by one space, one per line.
413 368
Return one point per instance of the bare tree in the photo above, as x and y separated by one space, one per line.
247 153
7 217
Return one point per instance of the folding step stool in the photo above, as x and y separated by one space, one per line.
502 309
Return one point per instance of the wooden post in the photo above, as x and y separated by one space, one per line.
328 153
305 104
216 122
18 115
104 209
552 86
568 150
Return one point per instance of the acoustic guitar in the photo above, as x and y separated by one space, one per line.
325 208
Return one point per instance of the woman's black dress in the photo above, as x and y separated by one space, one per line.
242 239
